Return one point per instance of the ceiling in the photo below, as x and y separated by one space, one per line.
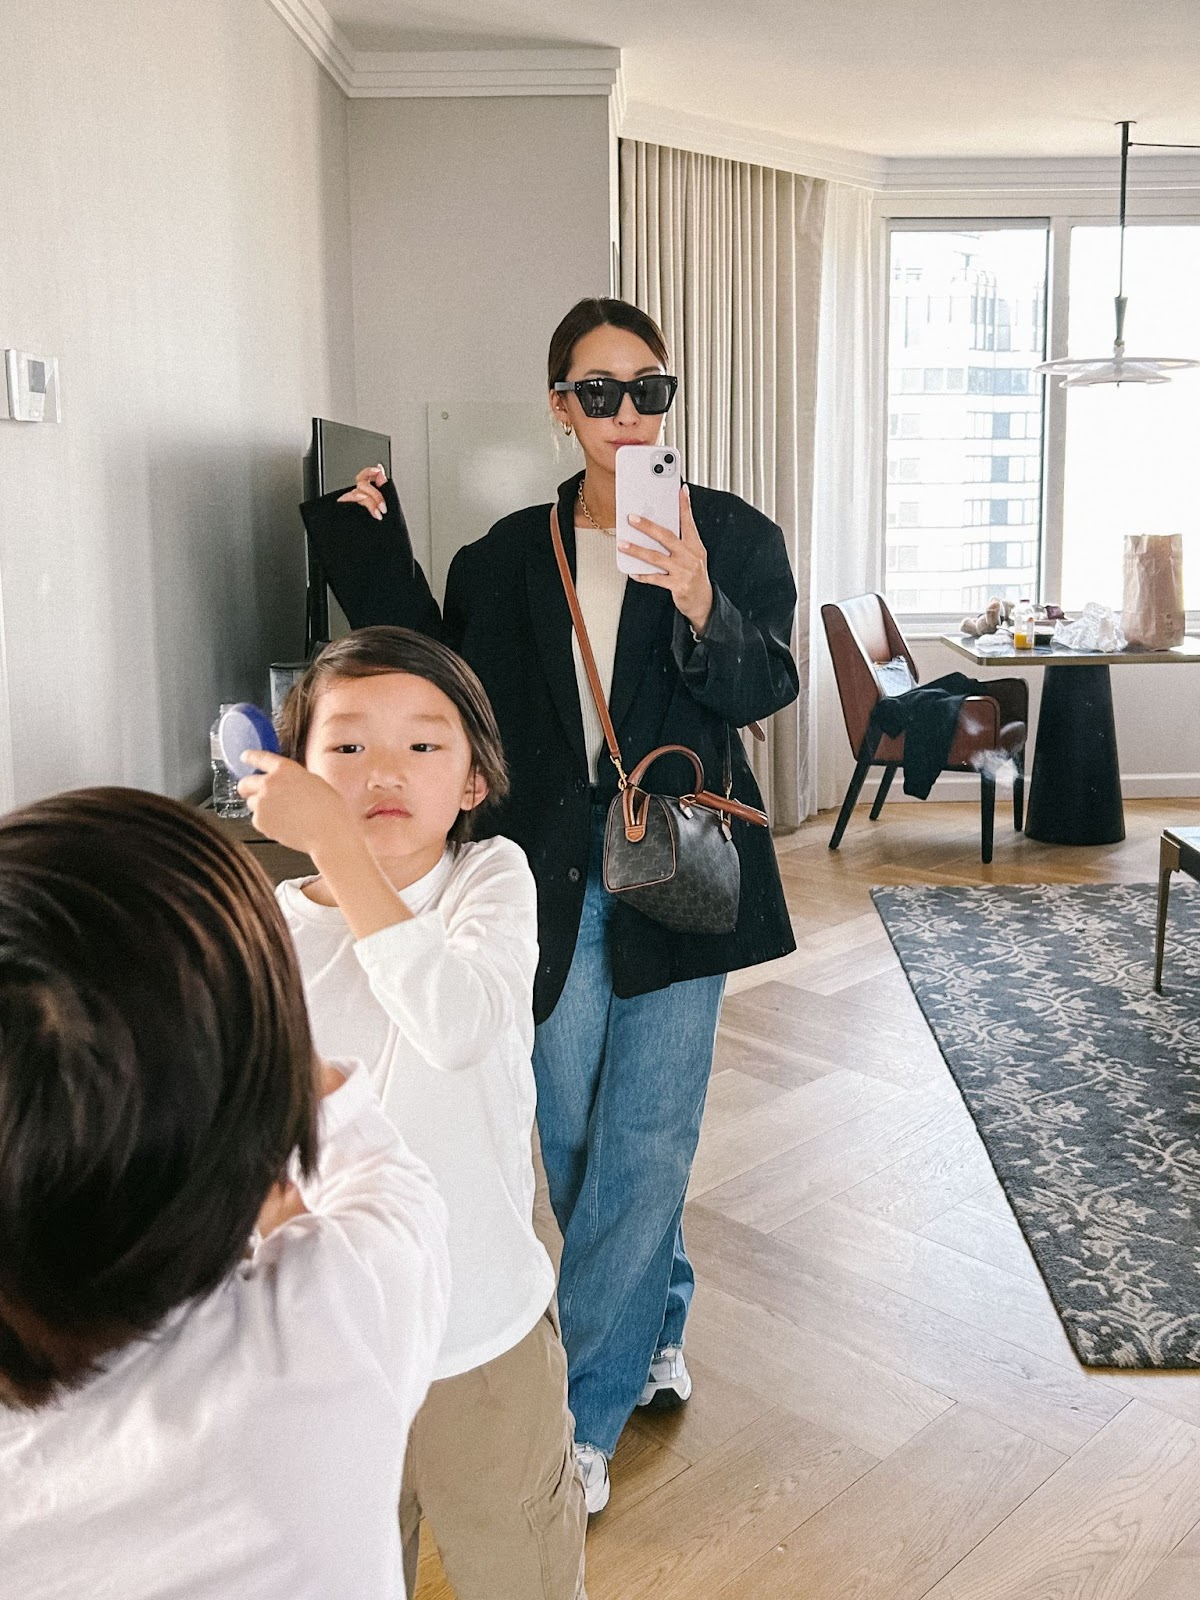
924 78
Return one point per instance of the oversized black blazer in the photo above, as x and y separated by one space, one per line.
506 614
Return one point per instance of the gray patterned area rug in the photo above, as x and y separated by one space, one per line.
1085 1087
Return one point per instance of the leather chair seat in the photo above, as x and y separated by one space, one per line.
862 635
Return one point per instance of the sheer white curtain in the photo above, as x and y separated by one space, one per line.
727 258
848 481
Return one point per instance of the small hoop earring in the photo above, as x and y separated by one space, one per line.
568 430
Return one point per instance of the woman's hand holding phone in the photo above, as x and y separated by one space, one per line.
366 493
682 564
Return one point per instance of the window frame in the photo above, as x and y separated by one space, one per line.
1060 211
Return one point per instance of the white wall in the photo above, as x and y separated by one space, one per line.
476 224
176 231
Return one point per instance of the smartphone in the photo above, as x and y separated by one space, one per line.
648 484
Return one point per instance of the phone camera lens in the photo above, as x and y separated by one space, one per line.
658 466
670 460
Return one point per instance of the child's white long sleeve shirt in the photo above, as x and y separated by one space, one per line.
253 1445
440 1009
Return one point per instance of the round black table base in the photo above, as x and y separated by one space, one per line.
1075 787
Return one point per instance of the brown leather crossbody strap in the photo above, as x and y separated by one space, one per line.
585 646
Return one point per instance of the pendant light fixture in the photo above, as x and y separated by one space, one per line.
1120 368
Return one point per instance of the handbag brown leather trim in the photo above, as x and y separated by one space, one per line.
646 883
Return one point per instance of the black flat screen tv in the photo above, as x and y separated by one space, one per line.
339 453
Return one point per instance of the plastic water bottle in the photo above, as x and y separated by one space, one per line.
227 802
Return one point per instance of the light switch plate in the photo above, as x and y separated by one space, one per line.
32 386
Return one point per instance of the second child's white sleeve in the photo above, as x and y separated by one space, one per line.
459 976
366 1268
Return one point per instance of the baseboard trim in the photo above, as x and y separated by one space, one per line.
961 786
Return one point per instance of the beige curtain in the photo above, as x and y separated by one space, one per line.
727 258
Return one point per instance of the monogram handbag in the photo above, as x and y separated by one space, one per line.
671 856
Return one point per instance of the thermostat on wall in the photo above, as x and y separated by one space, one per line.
32 386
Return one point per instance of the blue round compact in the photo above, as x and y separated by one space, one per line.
244 727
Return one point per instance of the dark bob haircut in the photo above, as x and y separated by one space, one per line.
587 315
156 1073
371 652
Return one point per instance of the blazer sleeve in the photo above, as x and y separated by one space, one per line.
459 588
370 565
743 668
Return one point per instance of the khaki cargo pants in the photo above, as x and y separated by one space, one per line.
491 1466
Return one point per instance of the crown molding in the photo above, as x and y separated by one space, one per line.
321 37
1165 174
709 136
1041 175
596 70
453 74
423 74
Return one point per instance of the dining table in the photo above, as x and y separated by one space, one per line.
1075 782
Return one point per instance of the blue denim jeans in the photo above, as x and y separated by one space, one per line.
621 1087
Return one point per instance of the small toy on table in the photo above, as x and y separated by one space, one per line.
997 613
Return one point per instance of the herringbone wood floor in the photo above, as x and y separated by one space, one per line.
885 1405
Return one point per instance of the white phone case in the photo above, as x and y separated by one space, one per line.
648 483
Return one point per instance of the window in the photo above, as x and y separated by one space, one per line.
902 558
997 513
999 380
979 297
996 554
1130 450
904 425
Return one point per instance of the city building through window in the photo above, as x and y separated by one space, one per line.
966 327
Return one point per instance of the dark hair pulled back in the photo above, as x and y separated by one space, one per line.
585 316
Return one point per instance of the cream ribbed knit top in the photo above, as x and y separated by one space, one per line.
601 589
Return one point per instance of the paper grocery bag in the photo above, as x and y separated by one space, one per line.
1152 615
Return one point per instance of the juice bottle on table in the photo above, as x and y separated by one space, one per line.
1023 625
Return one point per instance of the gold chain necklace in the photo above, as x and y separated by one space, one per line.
583 506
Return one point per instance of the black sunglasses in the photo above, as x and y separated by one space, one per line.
601 397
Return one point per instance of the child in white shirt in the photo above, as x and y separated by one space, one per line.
181 1415
418 950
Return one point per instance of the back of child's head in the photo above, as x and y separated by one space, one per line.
156 1073
367 653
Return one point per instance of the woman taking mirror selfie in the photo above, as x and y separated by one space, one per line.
689 650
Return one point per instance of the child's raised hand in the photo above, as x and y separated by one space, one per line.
292 805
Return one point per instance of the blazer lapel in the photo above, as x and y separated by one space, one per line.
551 617
644 612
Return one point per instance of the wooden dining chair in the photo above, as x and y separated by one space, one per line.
871 660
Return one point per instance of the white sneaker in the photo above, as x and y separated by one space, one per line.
670 1383
593 1474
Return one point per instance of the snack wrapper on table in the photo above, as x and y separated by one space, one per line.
1096 628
